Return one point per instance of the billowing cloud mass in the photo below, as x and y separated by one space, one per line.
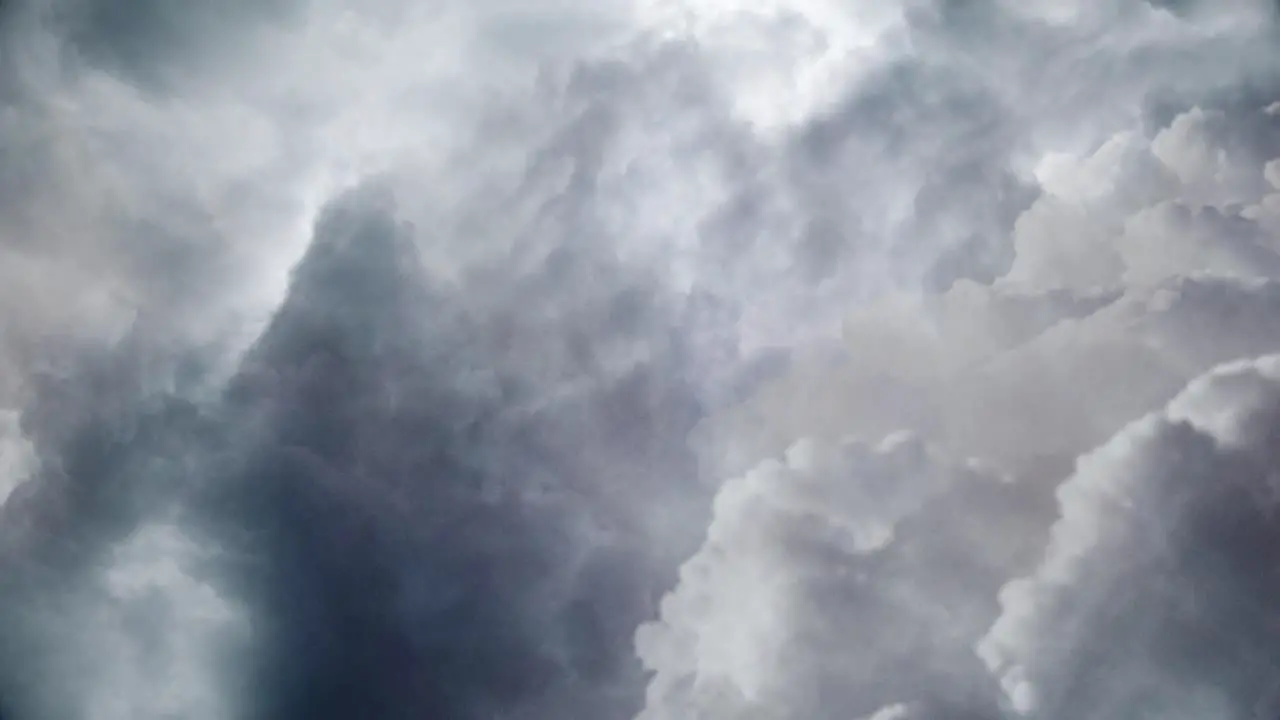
638 360
839 580
1155 596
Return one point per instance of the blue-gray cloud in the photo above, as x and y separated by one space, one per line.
360 359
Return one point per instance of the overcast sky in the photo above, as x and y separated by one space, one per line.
639 360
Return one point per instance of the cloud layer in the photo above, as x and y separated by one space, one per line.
652 360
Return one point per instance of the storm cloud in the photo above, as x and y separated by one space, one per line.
638 360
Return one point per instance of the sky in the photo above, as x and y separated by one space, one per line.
639 360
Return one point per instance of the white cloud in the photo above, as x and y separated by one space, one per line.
17 460
782 62
891 712
1149 258
1157 570
838 579
144 637
1126 281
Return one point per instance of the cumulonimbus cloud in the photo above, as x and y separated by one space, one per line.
428 344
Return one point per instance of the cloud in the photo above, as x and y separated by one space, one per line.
398 491
408 316
128 214
1151 600
104 597
1124 278
1144 258
410 504
15 457
837 580
454 436
144 636
163 165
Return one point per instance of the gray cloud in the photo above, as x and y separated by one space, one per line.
840 579
387 331
1142 260
1153 596
405 513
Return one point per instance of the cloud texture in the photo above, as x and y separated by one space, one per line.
1155 575
642 360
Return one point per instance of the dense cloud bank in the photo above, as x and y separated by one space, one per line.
1158 582
839 580
638 360
395 535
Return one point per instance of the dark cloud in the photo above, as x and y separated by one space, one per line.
453 460
398 541
426 547
114 452
157 45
